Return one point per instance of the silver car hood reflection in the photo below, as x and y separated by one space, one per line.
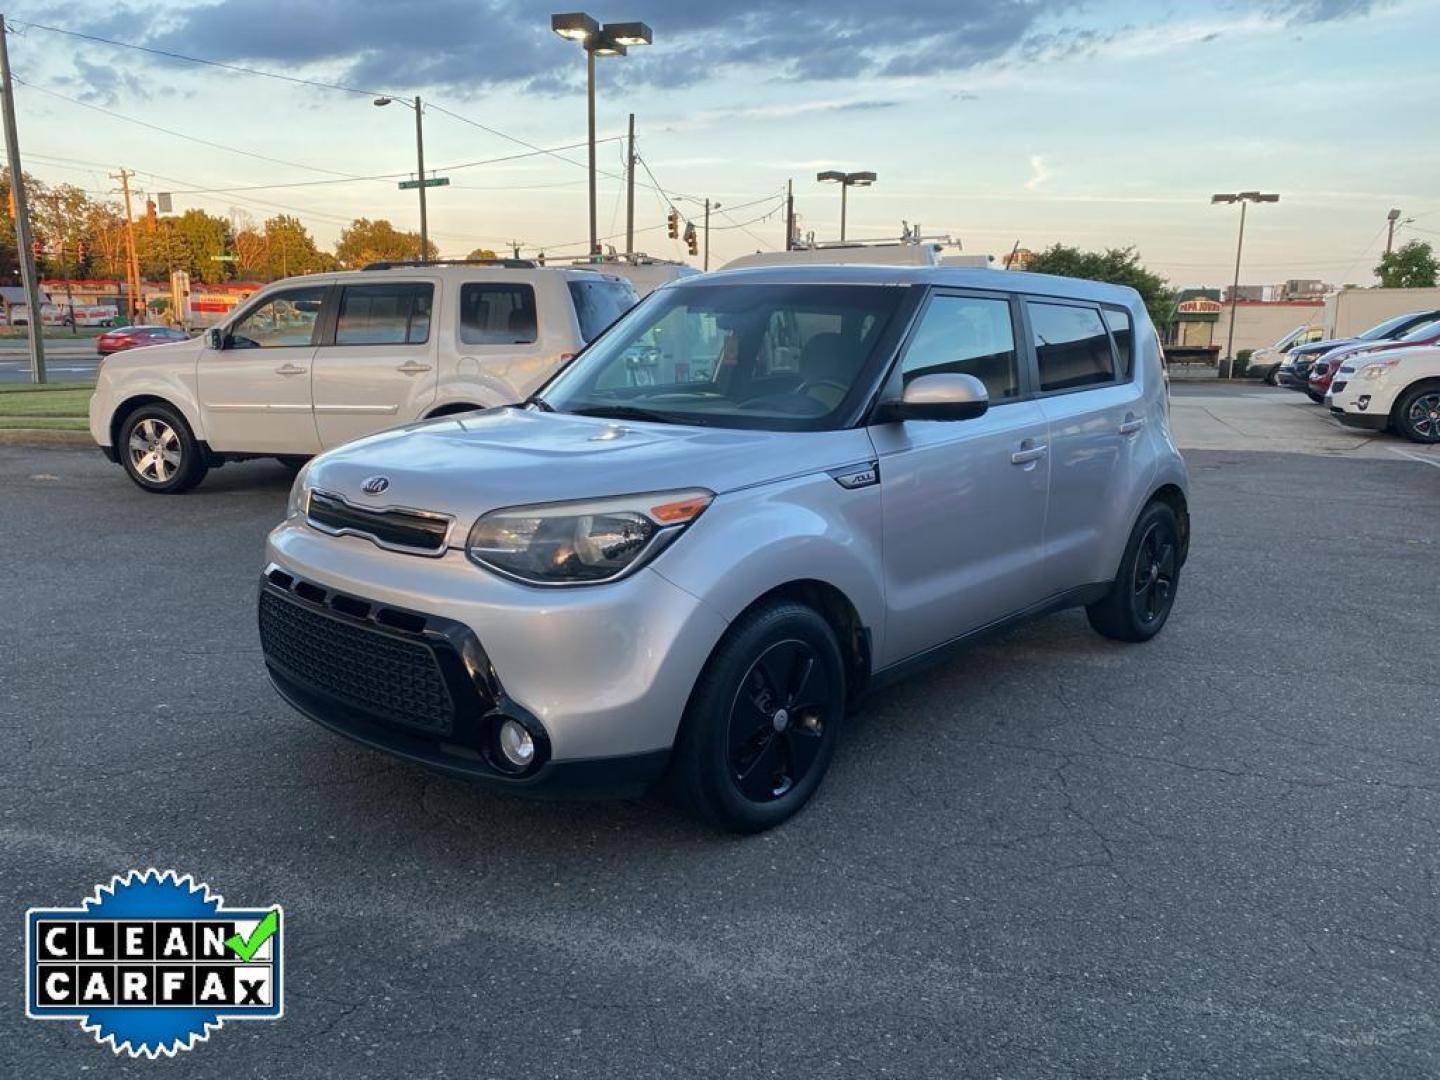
470 464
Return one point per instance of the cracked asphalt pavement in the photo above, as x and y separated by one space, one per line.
1211 855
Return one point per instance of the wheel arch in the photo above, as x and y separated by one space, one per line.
1173 496
1423 381
135 401
835 608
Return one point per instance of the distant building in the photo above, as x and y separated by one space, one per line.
1250 293
1301 289
1203 320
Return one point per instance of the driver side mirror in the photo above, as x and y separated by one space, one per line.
215 338
942 396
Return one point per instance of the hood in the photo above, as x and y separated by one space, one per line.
1394 352
471 464
1320 348
149 354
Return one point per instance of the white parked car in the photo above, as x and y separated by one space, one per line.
1398 389
1265 362
309 363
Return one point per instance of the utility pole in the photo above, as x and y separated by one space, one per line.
630 192
707 234
789 215
420 164
590 109
1392 218
132 261
1244 198
34 327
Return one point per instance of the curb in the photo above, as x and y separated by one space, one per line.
45 437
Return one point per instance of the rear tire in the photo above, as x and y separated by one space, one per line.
1417 413
762 722
1270 379
1139 601
159 452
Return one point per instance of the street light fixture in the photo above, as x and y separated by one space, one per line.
846 182
381 102
1243 198
612 39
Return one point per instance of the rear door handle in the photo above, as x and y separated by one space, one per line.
1029 454
1132 424
290 369
410 367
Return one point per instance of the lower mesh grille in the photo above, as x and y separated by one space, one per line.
366 668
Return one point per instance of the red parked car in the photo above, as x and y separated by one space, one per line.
133 337
1326 367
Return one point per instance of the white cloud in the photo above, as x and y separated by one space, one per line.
1039 173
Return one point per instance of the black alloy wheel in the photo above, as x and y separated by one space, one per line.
1156 562
777 722
1420 415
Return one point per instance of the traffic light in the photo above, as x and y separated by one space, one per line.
150 213
674 223
690 239
80 250
36 248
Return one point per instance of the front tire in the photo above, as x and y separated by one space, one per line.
159 451
1417 413
1139 601
763 720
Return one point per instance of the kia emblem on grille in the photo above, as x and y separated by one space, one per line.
376 485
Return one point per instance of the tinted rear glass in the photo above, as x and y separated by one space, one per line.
600 303
497 314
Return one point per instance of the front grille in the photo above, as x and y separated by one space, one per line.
1338 385
408 530
355 664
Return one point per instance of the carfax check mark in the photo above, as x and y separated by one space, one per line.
244 948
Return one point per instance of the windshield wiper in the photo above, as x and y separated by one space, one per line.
539 402
626 412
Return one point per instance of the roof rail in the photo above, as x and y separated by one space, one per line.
508 264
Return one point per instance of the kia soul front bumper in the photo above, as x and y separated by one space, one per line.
425 658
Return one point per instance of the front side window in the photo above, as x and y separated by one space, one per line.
1071 346
775 357
391 314
599 303
284 320
497 314
968 335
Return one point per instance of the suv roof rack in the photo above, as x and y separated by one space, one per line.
508 264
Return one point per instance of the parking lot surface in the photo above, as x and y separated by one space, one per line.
1211 855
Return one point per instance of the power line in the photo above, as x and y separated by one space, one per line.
200 60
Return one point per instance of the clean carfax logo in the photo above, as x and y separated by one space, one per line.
153 962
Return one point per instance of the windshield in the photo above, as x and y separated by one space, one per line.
1387 328
779 357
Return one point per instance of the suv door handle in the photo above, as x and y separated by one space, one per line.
411 367
290 369
1132 424
1028 454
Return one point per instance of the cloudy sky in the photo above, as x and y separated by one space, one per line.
1089 123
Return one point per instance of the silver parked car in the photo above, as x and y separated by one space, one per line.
757 495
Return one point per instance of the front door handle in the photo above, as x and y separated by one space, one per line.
290 369
1132 424
1028 454
410 367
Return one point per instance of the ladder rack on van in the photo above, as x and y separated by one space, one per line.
507 264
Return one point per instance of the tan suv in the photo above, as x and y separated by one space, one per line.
312 362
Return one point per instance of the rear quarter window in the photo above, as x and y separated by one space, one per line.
599 303
497 313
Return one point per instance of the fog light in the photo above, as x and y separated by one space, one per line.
1363 402
516 744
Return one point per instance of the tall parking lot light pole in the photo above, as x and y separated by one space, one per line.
846 182
1242 197
612 39
419 164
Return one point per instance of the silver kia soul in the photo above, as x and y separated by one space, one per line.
756 496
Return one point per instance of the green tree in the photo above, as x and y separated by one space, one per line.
1118 266
481 253
1412 266
291 250
364 241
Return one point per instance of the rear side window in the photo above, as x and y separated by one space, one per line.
497 314
968 335
1123 334
397 314
600 303
1071 346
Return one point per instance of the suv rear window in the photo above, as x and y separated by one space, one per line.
600 303
497 314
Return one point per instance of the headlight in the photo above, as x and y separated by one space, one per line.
1377 370
299 499
578 543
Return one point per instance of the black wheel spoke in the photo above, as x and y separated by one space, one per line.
762 776
802 745
778 666
749 727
